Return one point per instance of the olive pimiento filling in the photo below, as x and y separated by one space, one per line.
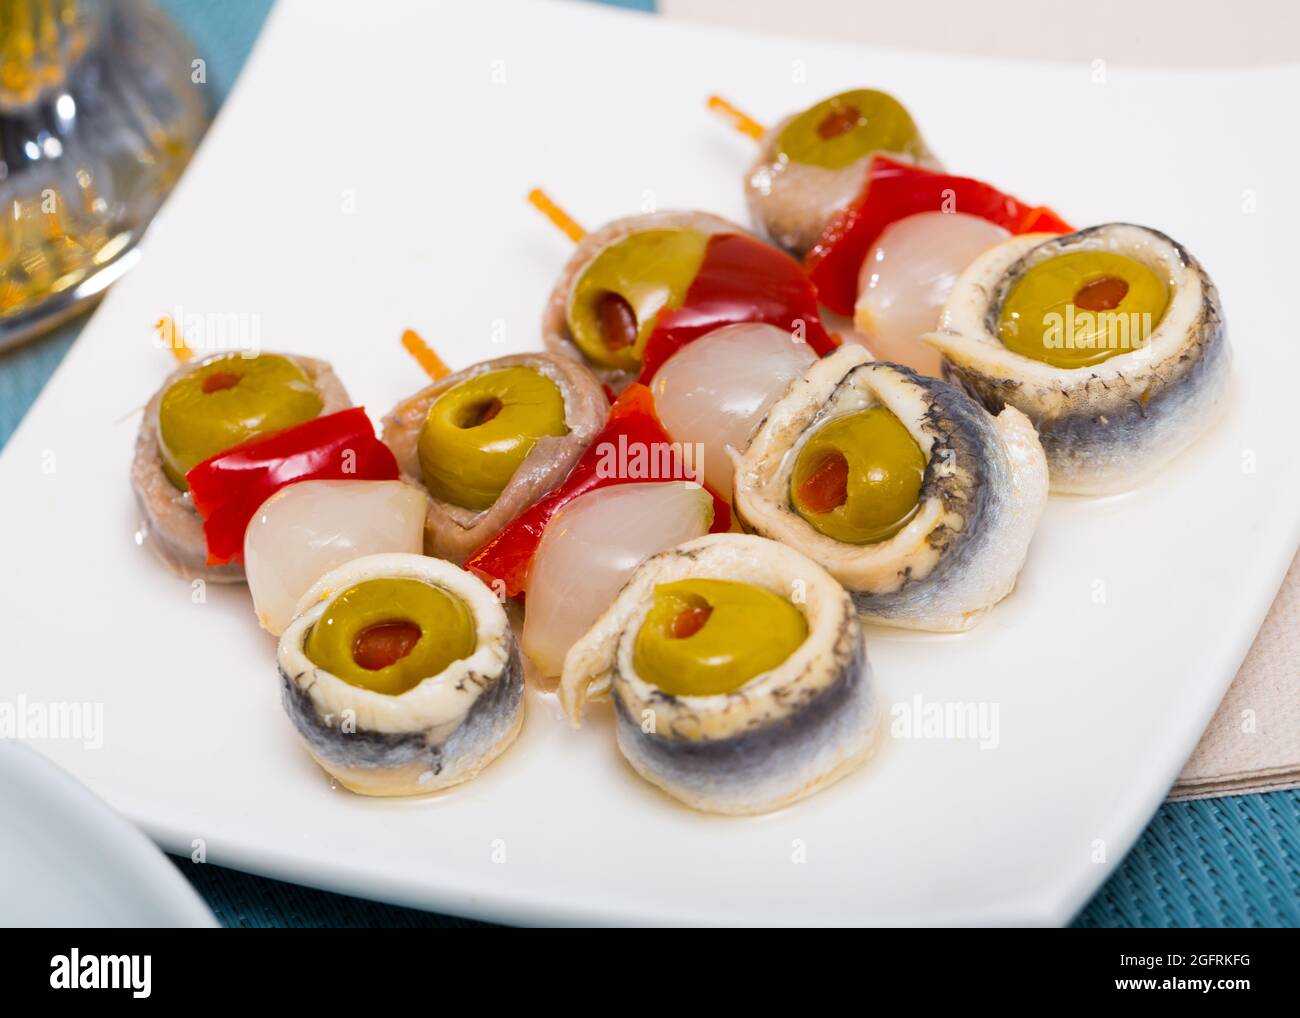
385 643
618 327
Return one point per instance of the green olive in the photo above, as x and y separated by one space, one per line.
846 127
389 635
1079 309
479 431
858 477
228 401
703 637
617 297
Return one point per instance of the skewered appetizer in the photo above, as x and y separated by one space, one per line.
401 675
736 662
205 408
912 496
638 289
885 231
738 673
1111 340
489 441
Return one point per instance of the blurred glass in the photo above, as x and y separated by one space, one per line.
101 107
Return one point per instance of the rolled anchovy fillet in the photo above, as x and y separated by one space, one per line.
792 203
438 734
454 532
1109 426
784 735
555 326
982 493
170 525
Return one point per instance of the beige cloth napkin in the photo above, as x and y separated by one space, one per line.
1253 743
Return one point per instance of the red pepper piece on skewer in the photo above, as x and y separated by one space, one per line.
741 279
893 191
230 487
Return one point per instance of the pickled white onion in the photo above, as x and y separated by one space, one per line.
716 390
589 550
306 529
907 277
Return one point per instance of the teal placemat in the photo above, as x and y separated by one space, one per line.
1220 862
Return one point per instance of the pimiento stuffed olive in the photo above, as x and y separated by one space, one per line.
1082 308
226 401
857 478
812 165
706 636
389 635
615 301
850 126
478 433
639 289
490 440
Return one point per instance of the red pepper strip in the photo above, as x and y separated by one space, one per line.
631 430
741 279
892 191
230 487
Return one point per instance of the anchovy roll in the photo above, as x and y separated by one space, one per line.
401 675
619 278
204 408
1111 340
738 672
814 163
901 486
487 442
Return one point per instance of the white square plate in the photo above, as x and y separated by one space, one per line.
368 175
